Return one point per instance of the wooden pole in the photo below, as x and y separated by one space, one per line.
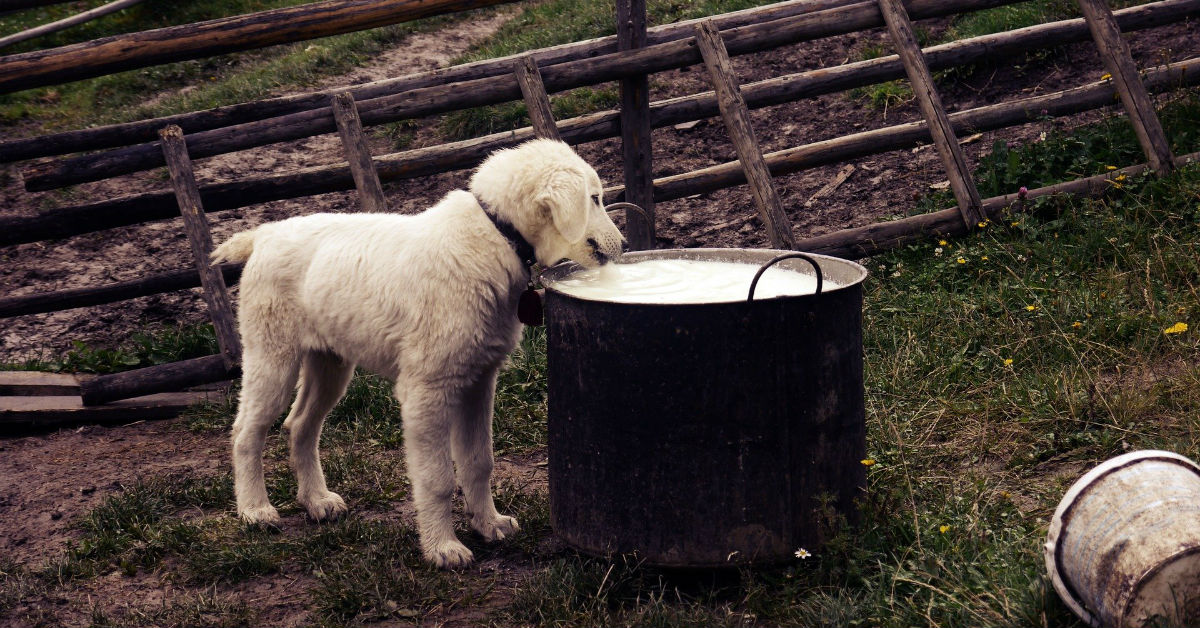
537 102
155 379
59 300
637 149
1119 63
54 27
737 120
479 92
930 102
124 134
366 180
138 208
216 295
214 37
884 236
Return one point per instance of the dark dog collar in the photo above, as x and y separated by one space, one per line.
520 245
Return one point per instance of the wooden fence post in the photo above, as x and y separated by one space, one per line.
537 102
362 168
1119 63
216 295
636 147
737 120
930 102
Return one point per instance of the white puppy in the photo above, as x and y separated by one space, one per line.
428 301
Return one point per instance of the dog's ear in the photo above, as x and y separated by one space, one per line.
565 196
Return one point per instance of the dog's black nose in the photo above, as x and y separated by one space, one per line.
624 245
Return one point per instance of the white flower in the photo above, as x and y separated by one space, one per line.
802 553
937 251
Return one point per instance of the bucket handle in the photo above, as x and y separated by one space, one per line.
780 258
628 206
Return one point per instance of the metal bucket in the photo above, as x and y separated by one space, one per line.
706 434
1124 544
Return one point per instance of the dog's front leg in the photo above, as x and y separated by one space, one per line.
427 413
471 447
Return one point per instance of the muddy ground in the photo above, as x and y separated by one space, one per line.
51 479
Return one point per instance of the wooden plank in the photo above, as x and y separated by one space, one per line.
485 91
55 411
1119 62
110 293
216 294
171 377
537 102
65 23
637 148
737 120
137 208
109 136
930 103
366 179
214 37
869 240
30 383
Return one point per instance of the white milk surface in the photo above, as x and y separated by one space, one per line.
684 281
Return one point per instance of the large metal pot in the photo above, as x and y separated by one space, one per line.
706 434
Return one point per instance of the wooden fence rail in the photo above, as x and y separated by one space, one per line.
135 209
124 134
485 91
213 37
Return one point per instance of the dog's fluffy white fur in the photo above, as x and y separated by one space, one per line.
428 301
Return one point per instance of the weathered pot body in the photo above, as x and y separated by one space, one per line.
1124 544
706 434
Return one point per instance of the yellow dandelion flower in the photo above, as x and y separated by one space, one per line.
1106 76
1119 177
1177 328
1008 362
1110 167
1077 324
984 258
944 528
961 261
942 243
868 462
1030 308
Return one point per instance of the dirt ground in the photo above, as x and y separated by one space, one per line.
51 479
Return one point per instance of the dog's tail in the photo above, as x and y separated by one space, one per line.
236 249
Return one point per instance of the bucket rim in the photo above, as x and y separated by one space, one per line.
737 255
1066 590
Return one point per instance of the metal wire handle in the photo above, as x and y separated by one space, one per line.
780 258
628 206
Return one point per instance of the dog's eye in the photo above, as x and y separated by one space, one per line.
596 199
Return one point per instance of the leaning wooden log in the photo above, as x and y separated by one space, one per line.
153 379
128 133
876 141
358 155
1114 52
487 91
213 37
865 241
41 303
138 208
45 412
537 102
65 23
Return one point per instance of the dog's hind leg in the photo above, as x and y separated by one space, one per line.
323 380
471 447
267 383
428 411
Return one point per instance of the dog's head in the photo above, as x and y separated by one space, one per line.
554 198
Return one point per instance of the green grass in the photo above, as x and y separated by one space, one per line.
211 82
159 344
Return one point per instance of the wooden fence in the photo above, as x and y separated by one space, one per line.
629 57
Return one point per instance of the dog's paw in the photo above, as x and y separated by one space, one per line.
449 555
325 507
260 515
498 528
